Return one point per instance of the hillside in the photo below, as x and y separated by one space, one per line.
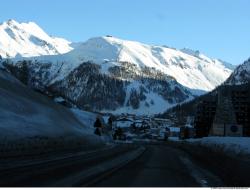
108 74
240 79
32 123
241 74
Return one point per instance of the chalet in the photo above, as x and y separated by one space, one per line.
161 122
122 123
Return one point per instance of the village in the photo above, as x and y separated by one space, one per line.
137 128
223 114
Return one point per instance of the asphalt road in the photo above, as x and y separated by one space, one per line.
161 166
47 173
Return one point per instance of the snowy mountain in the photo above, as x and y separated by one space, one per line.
28 39
124 90
112 75
194 71
241 74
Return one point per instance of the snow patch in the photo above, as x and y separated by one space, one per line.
234 145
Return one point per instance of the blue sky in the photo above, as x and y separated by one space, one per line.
218 28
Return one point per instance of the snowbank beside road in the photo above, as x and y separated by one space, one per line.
235 145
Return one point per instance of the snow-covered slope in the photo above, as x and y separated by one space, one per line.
194 72
31 122
191 69
28 39
241 74
120 76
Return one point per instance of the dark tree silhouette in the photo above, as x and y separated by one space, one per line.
98 126
98 123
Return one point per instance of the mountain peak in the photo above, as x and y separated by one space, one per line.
9 23
28 39
12 22
191 51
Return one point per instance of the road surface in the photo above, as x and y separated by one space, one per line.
57 171
163 164
160 166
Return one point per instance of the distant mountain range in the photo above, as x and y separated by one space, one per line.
108 74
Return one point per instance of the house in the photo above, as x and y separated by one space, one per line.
174 131
162 122
123 123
